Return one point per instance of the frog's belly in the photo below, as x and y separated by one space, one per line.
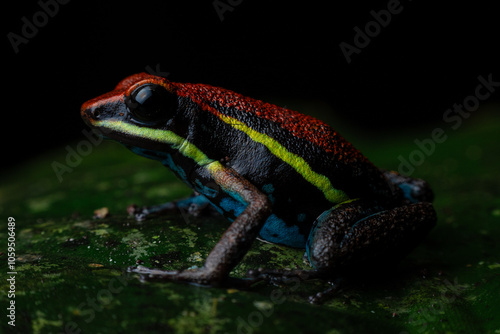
275 229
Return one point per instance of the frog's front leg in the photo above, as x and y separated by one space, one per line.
195 205
234 243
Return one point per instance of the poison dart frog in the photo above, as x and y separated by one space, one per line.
275 174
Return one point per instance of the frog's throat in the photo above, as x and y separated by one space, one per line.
189 150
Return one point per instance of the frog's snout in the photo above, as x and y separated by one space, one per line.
87 115
90 112
100 108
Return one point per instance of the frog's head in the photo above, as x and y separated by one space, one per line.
136 112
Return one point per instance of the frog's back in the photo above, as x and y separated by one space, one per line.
302 163
277 121
309 146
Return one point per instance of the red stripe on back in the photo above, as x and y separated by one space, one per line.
299 125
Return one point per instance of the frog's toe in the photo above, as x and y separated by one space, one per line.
145 212
151 273
139 213
134 210
196 205
282 275
414 190
278 276
323 296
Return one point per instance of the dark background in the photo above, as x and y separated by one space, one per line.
427 58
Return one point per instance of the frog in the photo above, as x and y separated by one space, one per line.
273 173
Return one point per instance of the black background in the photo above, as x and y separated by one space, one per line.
427 58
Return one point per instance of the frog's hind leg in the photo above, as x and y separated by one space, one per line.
352 236
357 236
195 205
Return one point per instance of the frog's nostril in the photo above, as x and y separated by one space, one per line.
90 112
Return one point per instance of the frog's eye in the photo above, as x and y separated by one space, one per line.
151 103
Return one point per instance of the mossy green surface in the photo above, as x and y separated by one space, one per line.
71 268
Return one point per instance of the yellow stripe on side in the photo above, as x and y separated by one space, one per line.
162 136
177 142
191 151
296 162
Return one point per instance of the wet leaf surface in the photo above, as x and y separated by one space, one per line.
71 268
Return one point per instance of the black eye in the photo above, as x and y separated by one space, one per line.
151 103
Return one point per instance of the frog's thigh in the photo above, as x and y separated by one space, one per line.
352 233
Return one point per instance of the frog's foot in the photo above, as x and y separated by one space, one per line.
145 212
335 287
277 276
195 205
414 190
198 276
282 275
150 273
